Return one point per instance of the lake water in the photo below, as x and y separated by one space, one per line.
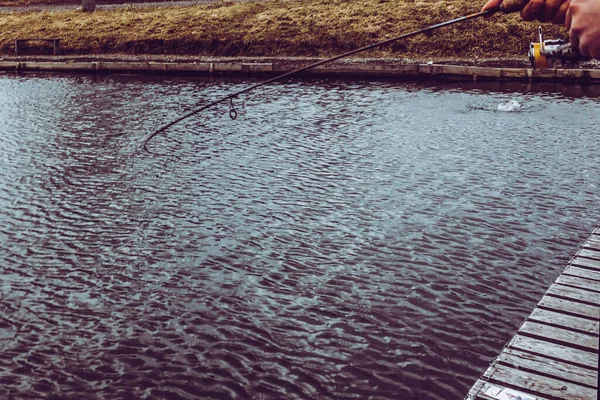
339 240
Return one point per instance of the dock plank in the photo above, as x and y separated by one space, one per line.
571 307
586 262
572 293
565 321
585 359
546 366
491 389
479 386
592 244
591 254
582 283
538 384
560 336
572 270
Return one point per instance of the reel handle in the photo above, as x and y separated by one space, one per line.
509 6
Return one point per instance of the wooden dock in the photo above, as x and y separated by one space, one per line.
554 354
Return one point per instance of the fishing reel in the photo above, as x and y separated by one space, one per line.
553 53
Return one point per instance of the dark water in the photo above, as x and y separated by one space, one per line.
339 240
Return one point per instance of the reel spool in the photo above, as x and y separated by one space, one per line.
553 53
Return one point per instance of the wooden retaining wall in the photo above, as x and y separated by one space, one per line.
554 354
427 71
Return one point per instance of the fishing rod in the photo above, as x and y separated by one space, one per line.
507 6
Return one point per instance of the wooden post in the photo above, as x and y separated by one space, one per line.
88 5
56 45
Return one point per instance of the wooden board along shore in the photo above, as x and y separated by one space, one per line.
554 354
348 68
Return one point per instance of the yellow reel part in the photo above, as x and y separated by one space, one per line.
539 61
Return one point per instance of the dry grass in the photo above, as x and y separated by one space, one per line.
32 2
278 28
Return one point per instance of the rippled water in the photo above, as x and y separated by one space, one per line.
341 239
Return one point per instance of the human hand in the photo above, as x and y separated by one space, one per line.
491 4
546 11
583 22
542 10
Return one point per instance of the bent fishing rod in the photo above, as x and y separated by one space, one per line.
507 6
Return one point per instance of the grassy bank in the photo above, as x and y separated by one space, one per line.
20 3
278 28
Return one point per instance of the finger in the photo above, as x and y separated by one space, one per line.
559 17
574 39
532 10
491 4
549 10
595 53
585 46
568 20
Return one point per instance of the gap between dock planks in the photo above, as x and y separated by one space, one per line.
554 354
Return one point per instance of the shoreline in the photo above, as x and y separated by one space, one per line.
440 69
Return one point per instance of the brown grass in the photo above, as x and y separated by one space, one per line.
278 28
21 3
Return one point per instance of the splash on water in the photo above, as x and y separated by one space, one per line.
511 105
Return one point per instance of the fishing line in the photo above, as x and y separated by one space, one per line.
230 97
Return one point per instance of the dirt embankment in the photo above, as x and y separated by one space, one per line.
277 28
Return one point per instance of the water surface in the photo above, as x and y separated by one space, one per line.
341 239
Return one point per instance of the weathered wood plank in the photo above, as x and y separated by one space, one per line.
458 70
559 335
592 243
586 262
592 254
476 388
568 306
490 391
485 71
227 67
543 365
582 273
565 321
569 74
567 354
573 293
513 73
543 74
582 283
480 382
257 67
541 384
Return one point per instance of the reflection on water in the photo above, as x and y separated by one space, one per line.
339 240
